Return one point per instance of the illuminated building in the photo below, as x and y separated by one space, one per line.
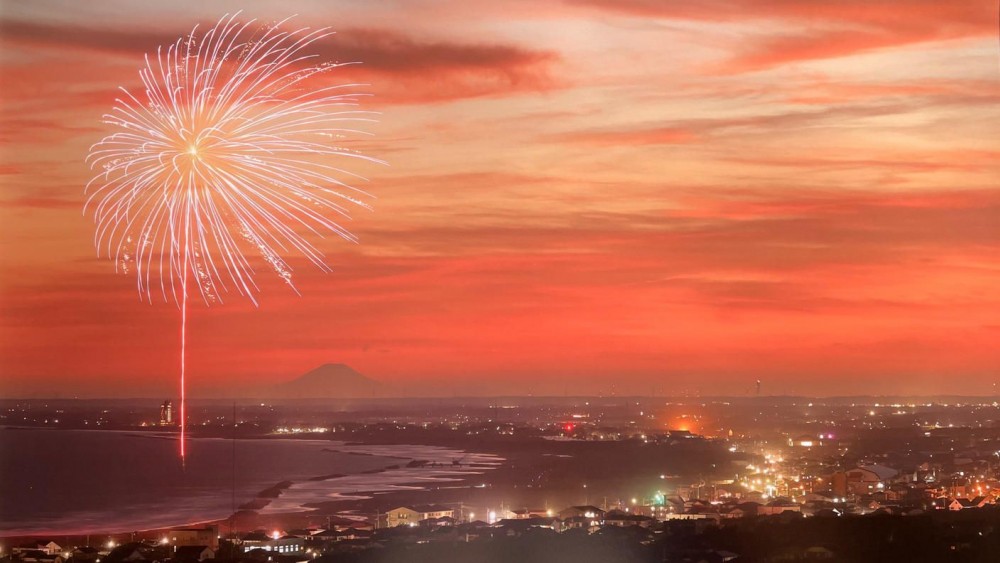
166 414
282 544
593 515
411 515
805 441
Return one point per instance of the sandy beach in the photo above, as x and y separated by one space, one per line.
332 477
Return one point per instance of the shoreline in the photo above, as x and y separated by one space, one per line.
335 492
410 467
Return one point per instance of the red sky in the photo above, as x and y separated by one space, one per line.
670 197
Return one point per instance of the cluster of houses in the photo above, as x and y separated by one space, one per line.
439 522
180 545
418 524
864 489
48 551
859 490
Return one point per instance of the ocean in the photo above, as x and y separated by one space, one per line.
73 482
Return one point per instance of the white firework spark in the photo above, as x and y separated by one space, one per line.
228 152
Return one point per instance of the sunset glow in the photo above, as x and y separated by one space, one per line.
586 196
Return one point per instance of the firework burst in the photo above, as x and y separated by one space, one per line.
231 152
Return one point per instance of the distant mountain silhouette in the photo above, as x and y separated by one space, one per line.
329 381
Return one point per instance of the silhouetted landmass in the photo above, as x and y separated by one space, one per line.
337 381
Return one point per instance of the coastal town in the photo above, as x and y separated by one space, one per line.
661 480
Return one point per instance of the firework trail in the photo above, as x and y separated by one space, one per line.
229 152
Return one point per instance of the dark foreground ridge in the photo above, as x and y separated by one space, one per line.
939 537
935 537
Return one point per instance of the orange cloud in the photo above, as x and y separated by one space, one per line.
398 63
659 136
829 29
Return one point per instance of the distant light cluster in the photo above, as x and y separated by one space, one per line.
300 430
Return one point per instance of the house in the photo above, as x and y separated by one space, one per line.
580 522
741 510
963 503
586 511
624 519
945 503
979 502
411 515
47 546
475 530
135 552
779 506
520 526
